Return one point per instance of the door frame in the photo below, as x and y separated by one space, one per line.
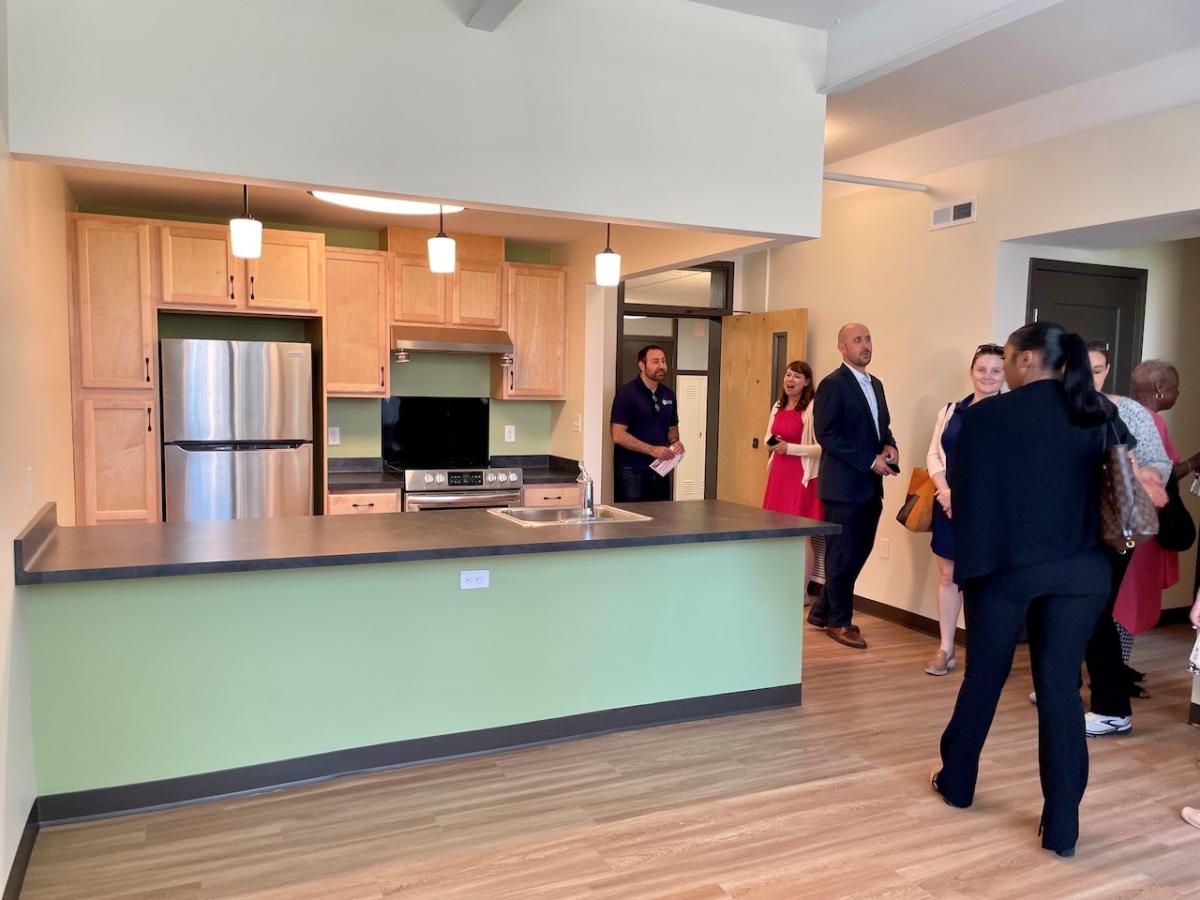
714 314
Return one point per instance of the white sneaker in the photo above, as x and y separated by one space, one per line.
1099 726
1033 697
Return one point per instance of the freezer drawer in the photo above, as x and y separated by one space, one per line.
207 484
236 391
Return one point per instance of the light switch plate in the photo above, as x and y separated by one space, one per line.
510 434
335 435
473 579
885 548
577 422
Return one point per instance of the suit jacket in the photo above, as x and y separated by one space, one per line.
847 436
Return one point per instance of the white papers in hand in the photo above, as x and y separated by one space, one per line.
664 466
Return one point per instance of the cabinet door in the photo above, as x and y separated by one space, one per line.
356 323
477 295
537 324
198 267
113 314
364 503
119 458
290 274
419 295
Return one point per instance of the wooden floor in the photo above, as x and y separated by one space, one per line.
827 800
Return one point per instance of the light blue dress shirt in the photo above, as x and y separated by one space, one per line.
864 382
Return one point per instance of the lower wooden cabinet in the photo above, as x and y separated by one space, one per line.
567 494
118 465
358 503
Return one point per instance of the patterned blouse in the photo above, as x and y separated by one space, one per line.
1149 450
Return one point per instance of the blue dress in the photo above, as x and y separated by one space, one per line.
943 532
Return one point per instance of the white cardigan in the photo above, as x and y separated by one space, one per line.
935 459
808 448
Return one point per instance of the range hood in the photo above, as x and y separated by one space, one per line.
450 340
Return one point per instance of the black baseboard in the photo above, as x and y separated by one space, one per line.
57 808
1176 615
16 874
1194 714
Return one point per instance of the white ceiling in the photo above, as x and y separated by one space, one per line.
823 14
1129 233
110 189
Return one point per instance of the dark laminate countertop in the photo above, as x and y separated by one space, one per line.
47 553
364 481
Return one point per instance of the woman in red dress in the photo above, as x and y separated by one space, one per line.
794 454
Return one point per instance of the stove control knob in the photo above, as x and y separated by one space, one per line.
440 479
428 479
503 476
491 477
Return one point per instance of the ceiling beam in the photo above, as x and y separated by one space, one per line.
491 13
898 33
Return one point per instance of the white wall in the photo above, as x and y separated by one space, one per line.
35 408
666 111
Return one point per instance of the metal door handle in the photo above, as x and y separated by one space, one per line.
149 419
231 296
147 370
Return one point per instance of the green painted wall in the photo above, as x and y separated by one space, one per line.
137 680
517 251
230 328
444 375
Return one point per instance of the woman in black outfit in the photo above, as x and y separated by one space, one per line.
1026 530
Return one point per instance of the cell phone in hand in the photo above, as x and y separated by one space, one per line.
773 440
894 466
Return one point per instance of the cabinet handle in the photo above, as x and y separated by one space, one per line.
231 296
147 370
366 505
149 414
381 376
548 497
511 376
251 287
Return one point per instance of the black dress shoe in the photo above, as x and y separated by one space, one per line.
817 621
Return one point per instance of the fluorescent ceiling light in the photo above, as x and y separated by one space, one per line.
383 204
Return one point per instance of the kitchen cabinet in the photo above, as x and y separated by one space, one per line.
419 295
359 503
564 495
113 325
356 323
118 458
470 297
477 295
198 271
537 323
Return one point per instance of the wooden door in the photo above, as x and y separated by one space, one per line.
537 317
119 458
1101 303
748 351
290 274
198 268
419 296
356 323
477 295
114 324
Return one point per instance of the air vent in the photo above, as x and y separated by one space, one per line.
960 212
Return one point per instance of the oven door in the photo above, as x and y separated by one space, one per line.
418 502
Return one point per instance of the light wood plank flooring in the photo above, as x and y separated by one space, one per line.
829 800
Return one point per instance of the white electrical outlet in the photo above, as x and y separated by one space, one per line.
473 579
885 548
577 422
29 486
510 434
335 435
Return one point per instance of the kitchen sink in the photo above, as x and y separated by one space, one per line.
534 516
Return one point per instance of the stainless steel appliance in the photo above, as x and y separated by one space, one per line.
429 489
237 429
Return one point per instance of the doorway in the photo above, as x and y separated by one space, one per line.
1101 303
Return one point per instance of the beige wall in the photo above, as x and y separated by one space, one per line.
930 297
643 250
36 411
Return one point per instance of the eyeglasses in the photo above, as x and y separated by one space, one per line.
657 405
990 350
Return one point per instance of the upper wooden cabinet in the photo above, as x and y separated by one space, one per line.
118 458
477 295
113 322
470 297
420 295
198 271
356 323
198 268
290 274
537 324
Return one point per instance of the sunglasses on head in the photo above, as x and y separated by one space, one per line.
990 350
657 405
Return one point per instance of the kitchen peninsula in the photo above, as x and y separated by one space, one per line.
172 662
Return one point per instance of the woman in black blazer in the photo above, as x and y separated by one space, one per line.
1026 522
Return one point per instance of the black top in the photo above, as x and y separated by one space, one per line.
845 430
1026 482
647 414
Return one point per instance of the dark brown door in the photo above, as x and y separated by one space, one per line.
1102 303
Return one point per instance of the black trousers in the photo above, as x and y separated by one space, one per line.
635 485
845 556
1105 662
1060 603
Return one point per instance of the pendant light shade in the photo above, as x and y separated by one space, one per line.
245 234
441 249
608 264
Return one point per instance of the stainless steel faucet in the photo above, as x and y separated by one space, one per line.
589 500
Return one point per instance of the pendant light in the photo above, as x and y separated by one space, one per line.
608 264
441 249
245 234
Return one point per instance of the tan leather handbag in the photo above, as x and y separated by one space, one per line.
917 512
1127 514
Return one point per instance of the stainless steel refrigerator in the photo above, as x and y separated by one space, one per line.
237 429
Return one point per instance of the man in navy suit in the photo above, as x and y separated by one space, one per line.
852 425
